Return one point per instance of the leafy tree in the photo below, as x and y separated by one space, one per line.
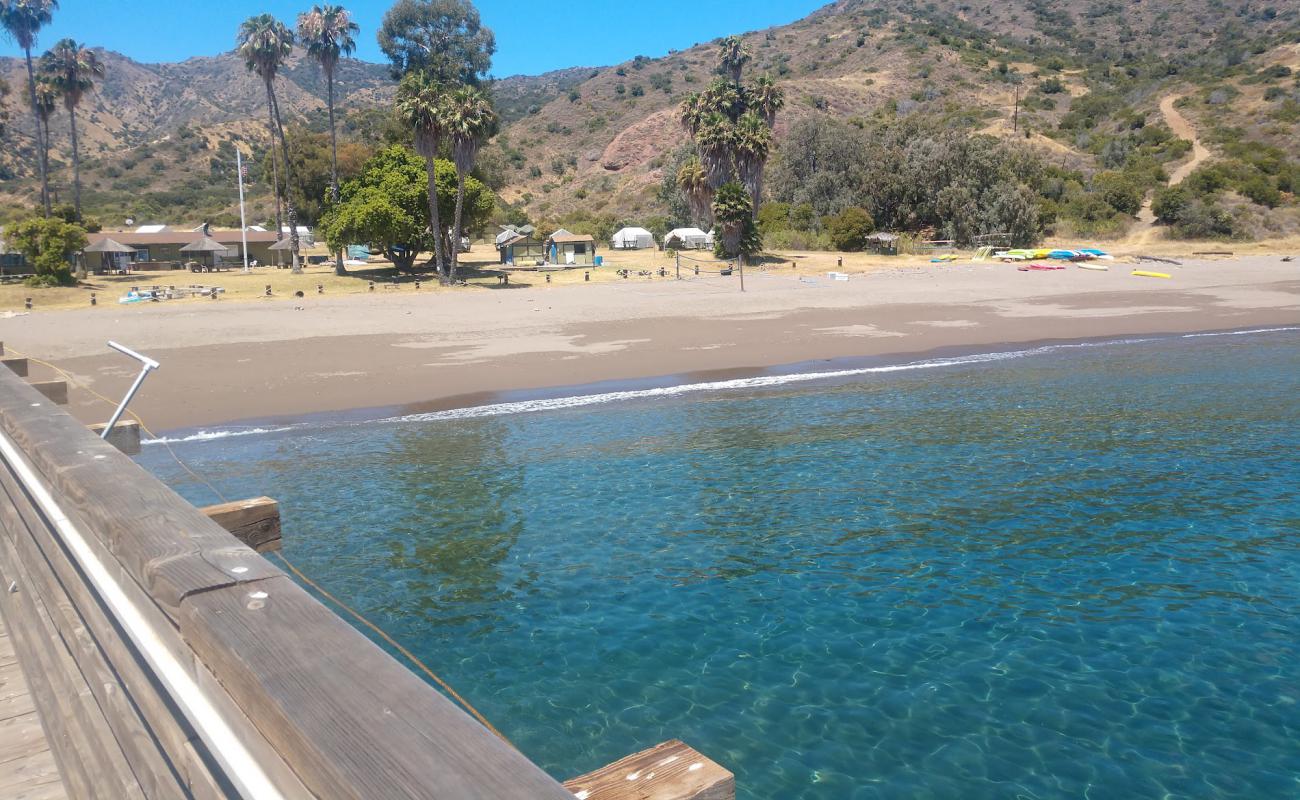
313 167
1119 191
387 206
1168 204
444 38
48 244
72 70
22 21
774 216
327 32
265 43
470 121
849 229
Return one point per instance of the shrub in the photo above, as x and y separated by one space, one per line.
1119 191
1261 190
848 230
1051 86
1205 220
48 244
1170 203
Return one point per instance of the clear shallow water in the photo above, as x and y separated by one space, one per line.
1070 574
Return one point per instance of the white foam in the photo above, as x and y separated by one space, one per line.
1240 333
207 436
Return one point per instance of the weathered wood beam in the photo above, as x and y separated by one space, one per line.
56 391
18 365
254 522
125 435
669 771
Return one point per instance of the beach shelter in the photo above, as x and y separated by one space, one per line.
112 253
633 239
687 239
571 249
207 244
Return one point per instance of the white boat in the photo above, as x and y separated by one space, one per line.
1094 267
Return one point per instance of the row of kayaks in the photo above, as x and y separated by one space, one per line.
1138 273
1085 254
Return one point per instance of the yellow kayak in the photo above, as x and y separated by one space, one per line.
1141 273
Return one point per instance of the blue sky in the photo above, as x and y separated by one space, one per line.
532 37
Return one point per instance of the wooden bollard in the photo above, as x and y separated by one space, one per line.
55 391
320 288
372 286
417 284
93 301
586 276
27 303
548 277
125 435
268 290
18 365
255 522
669 771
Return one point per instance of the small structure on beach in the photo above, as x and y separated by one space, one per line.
571 249
687 239
113 254
208 245
633 239
881 243
161 250
520 249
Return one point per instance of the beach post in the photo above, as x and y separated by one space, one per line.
372 286
28 303
417 284
320 288
678 258
268 290
740 264
93 301
586 276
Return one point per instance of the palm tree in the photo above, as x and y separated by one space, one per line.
421 102
72 70
327 32
733 211
767 99
715 141
470 120
4 114
694 183
47 102
265 42
22 20
732 57
753 143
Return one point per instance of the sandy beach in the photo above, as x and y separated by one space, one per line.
227 361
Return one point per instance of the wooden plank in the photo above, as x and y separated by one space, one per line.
125 435
669 771
173 733
353 721
255 522
55 391
18 365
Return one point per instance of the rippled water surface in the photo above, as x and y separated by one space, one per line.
1069 574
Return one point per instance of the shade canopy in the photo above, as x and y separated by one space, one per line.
283 244
108 246
633 239
205 244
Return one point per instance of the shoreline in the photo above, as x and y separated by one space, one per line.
816 372
229 363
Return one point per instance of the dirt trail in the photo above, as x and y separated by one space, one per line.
1144 231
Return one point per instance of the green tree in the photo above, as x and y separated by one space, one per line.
327 33
1169 203
48 245
1119 191
694 185
470 122
733 55
72 70
265 43
849 229
444 38
22 21
387 206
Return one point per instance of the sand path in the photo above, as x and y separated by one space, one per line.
1144 231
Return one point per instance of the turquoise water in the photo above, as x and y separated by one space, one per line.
1071 573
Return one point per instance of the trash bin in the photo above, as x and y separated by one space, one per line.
600 260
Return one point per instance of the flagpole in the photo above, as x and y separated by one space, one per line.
243 226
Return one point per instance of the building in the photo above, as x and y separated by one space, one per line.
571 249
519 249
161 250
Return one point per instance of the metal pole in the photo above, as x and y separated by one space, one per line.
243 225
678 257
740 261
147 365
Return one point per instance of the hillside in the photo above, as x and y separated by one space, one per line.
1075 81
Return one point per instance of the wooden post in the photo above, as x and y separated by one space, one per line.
254 522
669 771
740 263
125 435
18 365
56 391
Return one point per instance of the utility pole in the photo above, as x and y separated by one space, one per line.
1015 118
243 225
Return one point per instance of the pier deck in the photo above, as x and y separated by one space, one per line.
27 767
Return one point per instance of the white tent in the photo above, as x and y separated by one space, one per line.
633 239
687 238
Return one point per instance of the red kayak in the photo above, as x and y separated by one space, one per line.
1041 268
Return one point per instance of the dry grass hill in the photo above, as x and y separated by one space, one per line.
599 139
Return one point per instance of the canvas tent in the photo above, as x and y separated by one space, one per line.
687 239
633 239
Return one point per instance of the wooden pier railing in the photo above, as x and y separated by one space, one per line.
169 660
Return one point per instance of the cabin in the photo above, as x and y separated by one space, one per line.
519 249
161 250
571 249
